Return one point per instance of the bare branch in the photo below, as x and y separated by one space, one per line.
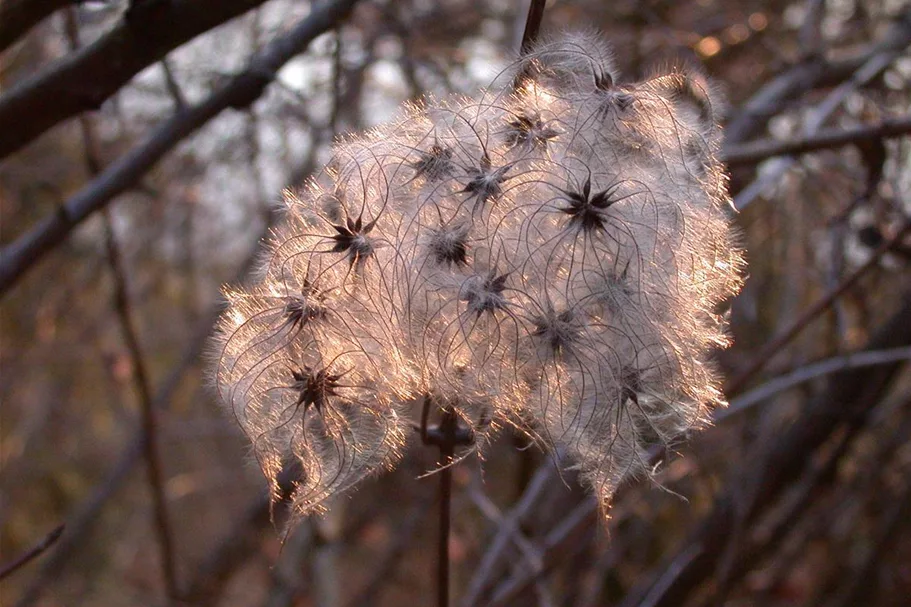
808 373
239 92
147 405
32 553
807 75
773 347
123 306
82 521
850 395
83 80
532 25
757 151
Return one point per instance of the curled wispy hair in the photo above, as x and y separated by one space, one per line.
549 254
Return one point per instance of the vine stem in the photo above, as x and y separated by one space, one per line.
446 435
532 25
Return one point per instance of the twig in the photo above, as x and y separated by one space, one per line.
509 526
765 103
771 348
150 449
807 373
447 435
869 70
529 551
82 521
757 151
32 553
83 80
239 92
579 518
180 102
123 307
532 25
849 396
741 552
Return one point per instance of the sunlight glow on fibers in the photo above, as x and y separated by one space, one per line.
549 254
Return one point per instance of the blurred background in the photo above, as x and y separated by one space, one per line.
144 147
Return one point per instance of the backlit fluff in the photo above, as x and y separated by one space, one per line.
549 254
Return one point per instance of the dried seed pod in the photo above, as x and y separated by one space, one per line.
550 253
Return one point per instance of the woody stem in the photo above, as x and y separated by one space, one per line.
446 435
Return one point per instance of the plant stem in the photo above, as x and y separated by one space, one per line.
446 452
447 435
532 25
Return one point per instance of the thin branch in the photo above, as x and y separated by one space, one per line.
805 76
527 549
150 440
849 396
84 517
773 347
532 25
807 373
82 81
819 114
239 92
32 553
180 101
510 524
446 435
757 151
578 519
123 307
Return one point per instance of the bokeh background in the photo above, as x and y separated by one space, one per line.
144 147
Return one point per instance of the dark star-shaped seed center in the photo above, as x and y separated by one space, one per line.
300 310
528 130
587 211
434 164
485 294
485 182
449 246
556 330
314 387
352 237
614 96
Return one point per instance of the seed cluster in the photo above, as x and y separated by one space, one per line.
550 254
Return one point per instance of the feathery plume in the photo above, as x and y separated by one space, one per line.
550 254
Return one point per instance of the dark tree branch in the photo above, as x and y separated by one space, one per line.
83 80
757 151
807 75
242 90
768 351
151 452
532 25
32 553
17 17
124 309
81 523
848 398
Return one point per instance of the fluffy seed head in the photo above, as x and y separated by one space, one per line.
551 253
